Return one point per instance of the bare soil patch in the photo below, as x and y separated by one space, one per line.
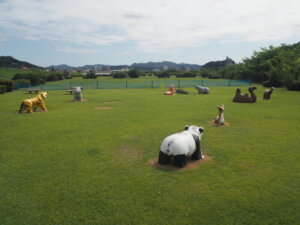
213 123
191 164
104 107
83 100
130 153
111 102
25 112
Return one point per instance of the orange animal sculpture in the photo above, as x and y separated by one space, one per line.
171 90
245 98
220 119
33 103
267 93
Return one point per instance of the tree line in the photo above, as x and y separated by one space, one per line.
271 66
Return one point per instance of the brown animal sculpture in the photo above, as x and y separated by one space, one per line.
267 94
245 98
220 119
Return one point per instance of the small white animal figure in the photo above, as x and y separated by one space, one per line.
181 145
202 90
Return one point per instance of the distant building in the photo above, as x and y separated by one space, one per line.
105 68
165 68
97 68
184 68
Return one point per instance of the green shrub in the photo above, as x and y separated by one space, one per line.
90 75
186 74
2 89
294 86
164 74
21 83
134 73
274 83
117 75
35 78
8 83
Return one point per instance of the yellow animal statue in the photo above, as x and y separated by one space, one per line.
32 103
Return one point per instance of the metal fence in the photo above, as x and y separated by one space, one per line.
139 84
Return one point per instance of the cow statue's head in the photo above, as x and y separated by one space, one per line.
194 130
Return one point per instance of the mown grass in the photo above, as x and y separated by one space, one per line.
80 165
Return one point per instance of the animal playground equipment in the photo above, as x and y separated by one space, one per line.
220 119
180 146
267 93
244 98
181 91
77 94
31 104
202 90
171 90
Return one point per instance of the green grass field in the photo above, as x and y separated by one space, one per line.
78 164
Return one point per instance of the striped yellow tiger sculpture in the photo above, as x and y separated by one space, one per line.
30 104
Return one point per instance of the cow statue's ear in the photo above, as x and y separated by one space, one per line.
201 129
186 127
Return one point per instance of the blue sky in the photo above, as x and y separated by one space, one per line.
75 32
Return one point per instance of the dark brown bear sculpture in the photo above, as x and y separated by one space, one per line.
267 94
245 98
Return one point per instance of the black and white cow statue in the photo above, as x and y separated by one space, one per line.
182 145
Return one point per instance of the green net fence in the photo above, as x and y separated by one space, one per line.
143 84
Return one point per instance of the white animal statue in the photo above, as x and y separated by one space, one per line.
182 145
77 94
202 90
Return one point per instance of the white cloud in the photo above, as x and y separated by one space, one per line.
154 26
77 50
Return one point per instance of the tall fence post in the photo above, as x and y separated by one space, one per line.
179 83
97 85
126 84
152 84
229 83
202 83
70 85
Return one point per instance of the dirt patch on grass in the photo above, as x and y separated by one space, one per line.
129 153
103 107
191 164
111 102
25 112
213 123
83 100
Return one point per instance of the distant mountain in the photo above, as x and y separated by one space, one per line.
85 67
140 66
61 67
218 64
10 62
164 64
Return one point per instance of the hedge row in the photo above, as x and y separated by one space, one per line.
9 84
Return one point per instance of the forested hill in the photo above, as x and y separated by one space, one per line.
218 64
10 62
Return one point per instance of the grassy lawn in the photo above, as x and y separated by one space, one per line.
78 164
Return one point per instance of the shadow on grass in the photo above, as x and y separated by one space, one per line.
191 164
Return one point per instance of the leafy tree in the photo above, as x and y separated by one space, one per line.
164 74
91 75
134 73
117 75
